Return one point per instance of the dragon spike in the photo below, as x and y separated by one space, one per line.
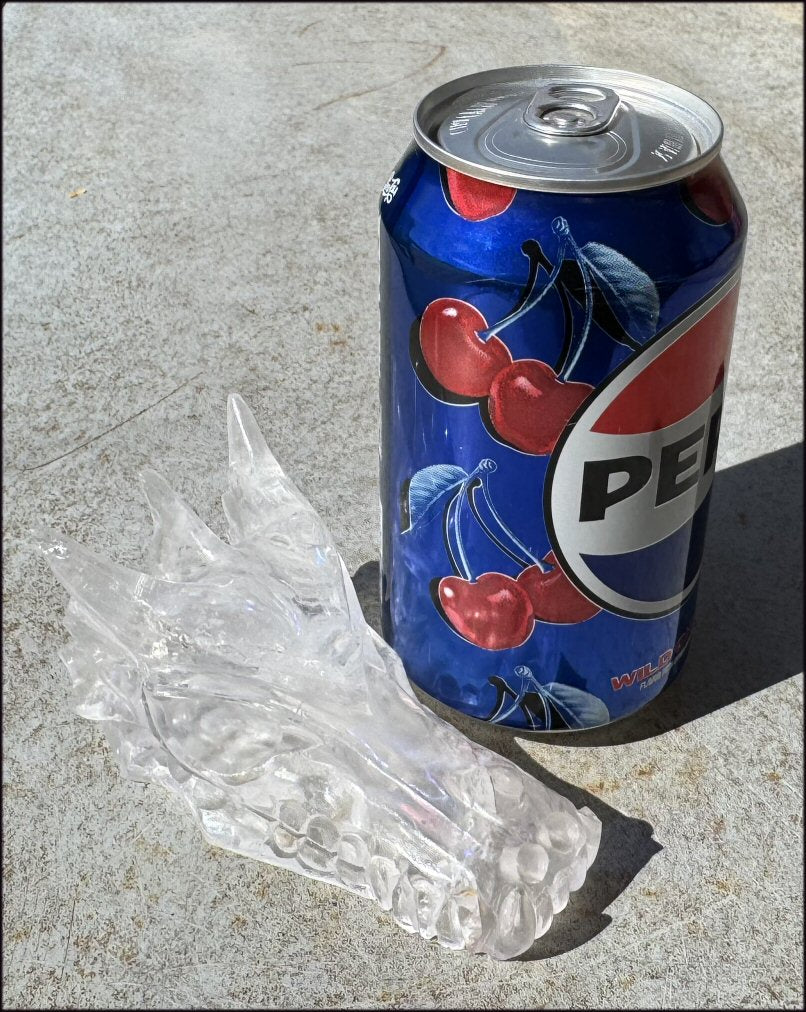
267 511
97 584
260 496
249 453
182 543
152 617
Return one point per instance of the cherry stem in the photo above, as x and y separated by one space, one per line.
568 330
446 534
527 709
520 699
452 516
528 681
451 519
505 689
457 519
471 498
537 260
586 278
527 678
506 531
525 675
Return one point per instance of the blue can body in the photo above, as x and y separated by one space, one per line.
477 440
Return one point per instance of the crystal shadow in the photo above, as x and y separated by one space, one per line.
626 846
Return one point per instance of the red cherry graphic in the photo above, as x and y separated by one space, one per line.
554 598
530 405
454 352
476 199
494 612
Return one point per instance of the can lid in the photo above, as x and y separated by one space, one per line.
567 129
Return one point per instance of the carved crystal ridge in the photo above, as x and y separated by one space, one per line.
243 677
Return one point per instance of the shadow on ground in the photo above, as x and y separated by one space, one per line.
749 622
748 636
627 845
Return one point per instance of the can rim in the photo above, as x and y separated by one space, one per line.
698 109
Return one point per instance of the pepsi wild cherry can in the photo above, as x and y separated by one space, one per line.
560 252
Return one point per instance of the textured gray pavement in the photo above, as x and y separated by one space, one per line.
231 158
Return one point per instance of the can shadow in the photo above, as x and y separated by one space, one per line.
748 632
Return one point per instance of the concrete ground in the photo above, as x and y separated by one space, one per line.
229 160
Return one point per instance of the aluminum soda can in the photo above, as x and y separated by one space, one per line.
560 250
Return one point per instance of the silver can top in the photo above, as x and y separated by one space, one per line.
567 129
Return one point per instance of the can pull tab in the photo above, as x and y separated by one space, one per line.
571 110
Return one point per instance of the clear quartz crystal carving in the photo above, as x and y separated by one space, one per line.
243 677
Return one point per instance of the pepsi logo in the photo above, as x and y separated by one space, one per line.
627 488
